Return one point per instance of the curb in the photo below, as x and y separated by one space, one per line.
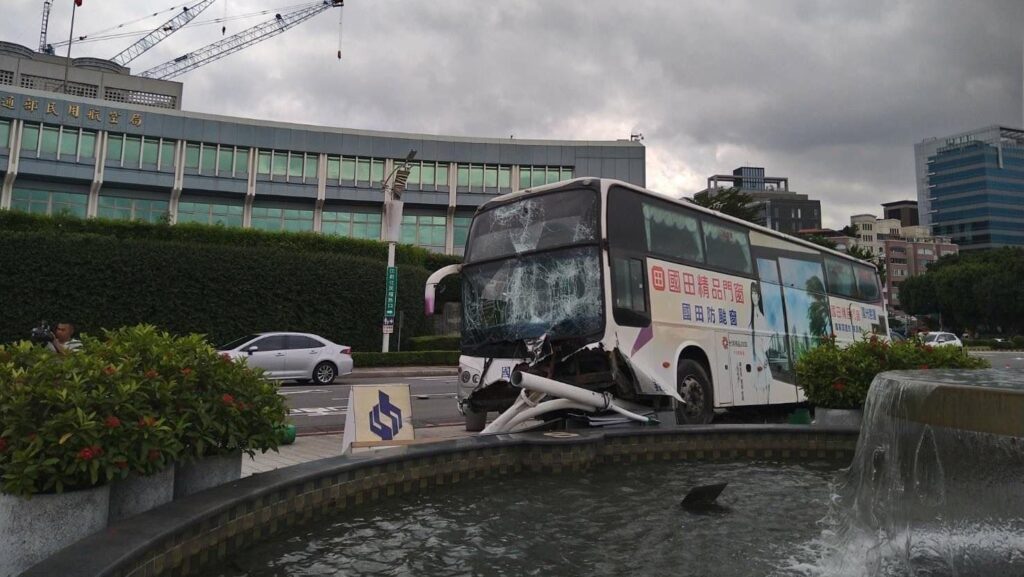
371 373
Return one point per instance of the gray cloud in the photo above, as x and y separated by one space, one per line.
832 94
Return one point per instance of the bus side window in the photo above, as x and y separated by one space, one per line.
629 291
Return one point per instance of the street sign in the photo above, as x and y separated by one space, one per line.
389 325
391 293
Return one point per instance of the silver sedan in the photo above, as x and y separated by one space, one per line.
292 356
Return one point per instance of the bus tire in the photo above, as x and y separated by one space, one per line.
694 387
475 420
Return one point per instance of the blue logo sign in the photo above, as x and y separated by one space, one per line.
384 408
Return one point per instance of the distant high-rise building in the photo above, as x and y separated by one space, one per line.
780 209
971 187
904 211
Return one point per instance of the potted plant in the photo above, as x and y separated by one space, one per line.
223 410
66 433
836 377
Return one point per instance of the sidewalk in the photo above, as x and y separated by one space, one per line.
313 447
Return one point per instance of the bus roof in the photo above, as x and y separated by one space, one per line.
681 202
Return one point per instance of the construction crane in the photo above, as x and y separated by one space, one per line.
240 41
161 32
42 30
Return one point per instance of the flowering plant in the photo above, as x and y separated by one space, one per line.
838 376
133 401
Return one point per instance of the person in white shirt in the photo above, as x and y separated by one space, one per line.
62 341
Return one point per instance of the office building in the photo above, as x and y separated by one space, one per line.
974 187
779 208
92 153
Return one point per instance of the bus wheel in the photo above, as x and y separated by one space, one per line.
695 389
475 420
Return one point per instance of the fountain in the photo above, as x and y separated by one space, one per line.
933 489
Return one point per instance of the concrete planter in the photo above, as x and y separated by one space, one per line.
205 473
138 494
33 529
838 417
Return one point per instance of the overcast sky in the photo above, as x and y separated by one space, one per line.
832 94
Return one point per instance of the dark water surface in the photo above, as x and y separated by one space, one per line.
617 520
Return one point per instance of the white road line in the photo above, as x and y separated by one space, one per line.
302 391
317 411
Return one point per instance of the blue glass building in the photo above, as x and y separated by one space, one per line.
976 189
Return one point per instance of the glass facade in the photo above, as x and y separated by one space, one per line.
352 224
530 176
49 202
278 219
427 231
977 192
128 208
210 213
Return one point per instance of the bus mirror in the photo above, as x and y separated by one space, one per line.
431 286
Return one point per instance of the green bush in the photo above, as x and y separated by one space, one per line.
1018 341
405 359
979 342
132 402
435 343
221 291
293 242
838 377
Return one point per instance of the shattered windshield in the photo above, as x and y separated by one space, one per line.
556 292
534 223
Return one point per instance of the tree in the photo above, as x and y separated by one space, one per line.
820 240
973 290
850 231
731 201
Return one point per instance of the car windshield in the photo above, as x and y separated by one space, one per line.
236 343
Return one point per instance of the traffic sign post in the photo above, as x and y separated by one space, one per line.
391 293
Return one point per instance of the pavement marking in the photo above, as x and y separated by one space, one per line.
317 411
435 395
302 391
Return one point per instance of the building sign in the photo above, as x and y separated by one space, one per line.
378 415
100 118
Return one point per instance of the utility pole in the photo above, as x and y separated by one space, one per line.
394 184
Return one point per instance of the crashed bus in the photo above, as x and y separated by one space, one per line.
601 300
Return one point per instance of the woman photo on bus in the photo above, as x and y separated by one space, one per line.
760 338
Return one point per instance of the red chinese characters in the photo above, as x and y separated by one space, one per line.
688 285
658 278
673 281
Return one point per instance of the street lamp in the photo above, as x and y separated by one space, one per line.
394 185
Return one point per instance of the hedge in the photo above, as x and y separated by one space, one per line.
435 343
222 291
405 359
16 221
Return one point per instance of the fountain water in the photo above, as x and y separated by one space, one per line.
937 483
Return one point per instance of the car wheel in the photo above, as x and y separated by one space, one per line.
475 420
324 373
695 388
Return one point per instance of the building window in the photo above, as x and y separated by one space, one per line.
49 202
241 162
276 219
208 160
48 140
352 224
312 168
225 161
30 138
192 155
68 144
87 148
280 163
539 175
426 231
5 134
263 160
210 213
166 160
125 208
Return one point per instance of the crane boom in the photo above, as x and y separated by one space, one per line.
45 25
162 31
232 44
